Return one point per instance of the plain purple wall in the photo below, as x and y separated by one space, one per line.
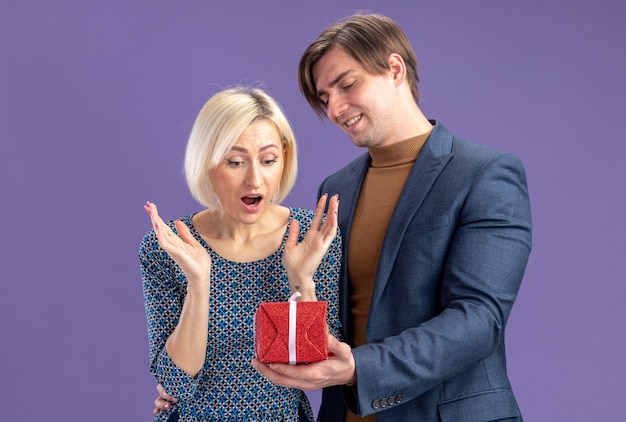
97 99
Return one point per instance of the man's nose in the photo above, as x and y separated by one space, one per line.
335 108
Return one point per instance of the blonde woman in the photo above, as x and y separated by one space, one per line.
205 275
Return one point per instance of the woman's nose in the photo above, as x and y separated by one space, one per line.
253 177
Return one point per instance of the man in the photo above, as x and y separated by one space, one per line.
437 234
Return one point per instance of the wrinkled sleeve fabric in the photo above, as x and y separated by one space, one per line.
164 289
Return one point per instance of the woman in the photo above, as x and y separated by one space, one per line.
205 275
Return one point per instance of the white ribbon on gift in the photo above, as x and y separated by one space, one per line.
292 327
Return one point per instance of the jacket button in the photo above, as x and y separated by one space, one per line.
376 404
383 402
399 398
392 400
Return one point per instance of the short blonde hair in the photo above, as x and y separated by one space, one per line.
217 127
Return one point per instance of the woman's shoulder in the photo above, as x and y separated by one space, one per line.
302 214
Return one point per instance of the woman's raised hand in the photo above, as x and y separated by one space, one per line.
302 259
184 249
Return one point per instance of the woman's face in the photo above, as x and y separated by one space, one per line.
250 174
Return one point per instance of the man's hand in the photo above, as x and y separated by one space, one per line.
338 369
164 401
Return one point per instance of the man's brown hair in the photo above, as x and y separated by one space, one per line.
367 38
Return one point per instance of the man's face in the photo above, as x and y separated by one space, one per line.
359 102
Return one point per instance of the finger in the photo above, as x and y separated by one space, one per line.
333 206
152 211
163 394
331 223
160 404
316 224
276 377
165 235
334 346
150 208
295 373
163 401
185 233
294 232
160 228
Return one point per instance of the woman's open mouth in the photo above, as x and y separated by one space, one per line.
252 200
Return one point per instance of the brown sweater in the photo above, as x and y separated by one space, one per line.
382 186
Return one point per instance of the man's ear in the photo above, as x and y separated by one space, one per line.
397 67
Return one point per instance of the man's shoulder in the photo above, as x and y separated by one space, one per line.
457 144
350 170
469 152
463 149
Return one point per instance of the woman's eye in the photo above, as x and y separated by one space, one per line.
271 161
234 163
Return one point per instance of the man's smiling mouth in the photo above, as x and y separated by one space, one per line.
353 120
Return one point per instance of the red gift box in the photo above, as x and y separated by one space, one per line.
291 332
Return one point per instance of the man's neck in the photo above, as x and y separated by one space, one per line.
410 124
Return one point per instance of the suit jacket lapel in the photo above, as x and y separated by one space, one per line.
349 188
431 161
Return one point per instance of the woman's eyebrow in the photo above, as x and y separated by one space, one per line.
244 150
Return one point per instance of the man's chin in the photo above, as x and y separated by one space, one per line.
359 142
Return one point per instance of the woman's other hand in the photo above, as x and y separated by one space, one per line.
183 248
302 259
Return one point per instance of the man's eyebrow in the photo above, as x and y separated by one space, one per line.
335 81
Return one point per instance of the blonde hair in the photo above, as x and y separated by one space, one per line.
217 127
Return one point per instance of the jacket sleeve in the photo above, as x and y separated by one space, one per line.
484 257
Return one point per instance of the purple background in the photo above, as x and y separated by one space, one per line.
97 100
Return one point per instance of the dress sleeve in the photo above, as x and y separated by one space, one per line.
164 289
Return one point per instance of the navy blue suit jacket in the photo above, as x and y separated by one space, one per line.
450 268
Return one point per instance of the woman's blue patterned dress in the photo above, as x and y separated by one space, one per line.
228 388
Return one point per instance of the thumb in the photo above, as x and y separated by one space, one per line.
184 232
334 346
